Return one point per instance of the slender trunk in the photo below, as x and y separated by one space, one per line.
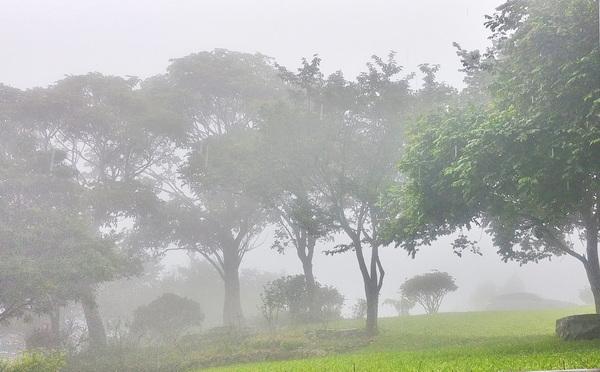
232 307
95 326
372 281
307 268
305 250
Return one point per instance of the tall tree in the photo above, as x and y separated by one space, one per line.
49 246
355 132
291 138
216 97
102 125
526 167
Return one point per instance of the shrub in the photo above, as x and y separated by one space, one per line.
35 362
359 310
166 318
402 306
292 295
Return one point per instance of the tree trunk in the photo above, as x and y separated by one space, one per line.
372 278
232 307
372 295
592 265
95 326
305 253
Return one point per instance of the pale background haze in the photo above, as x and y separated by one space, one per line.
42 41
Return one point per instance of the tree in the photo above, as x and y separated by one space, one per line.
49 245
166 318
291 138
359 310
209 181
101 124
428 290
526 166
356 130
402 306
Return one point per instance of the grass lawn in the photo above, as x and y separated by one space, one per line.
482 341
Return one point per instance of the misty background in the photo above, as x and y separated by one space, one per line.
42 41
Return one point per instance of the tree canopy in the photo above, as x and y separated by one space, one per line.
525 165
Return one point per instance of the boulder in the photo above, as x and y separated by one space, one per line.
579 327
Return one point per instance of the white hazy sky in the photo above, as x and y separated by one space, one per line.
41 41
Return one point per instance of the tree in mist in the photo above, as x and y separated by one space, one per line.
428 290
359 309
291 139
354 131
51 250
214 168
524 167
402 306
101 125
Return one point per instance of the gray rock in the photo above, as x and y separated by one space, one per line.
579 327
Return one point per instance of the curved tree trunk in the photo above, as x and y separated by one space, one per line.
95 326
232 307
373 280
305 250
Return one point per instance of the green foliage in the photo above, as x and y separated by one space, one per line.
166 318
428 290
50 250
302 303
35 362
220 346
525 165
485 341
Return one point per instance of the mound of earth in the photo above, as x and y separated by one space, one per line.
525 301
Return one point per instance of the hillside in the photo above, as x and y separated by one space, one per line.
483 341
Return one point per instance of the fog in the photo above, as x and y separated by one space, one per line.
560 279
212 131
43 41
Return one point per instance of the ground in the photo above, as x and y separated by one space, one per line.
482 341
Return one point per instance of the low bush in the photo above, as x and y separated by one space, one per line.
292 297
34 362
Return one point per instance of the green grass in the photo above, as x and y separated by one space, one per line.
485 341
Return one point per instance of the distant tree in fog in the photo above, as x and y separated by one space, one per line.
402 306
213 171
51 251
291 139
359 309
428 290
102 125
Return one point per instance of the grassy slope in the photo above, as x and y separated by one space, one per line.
487 341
